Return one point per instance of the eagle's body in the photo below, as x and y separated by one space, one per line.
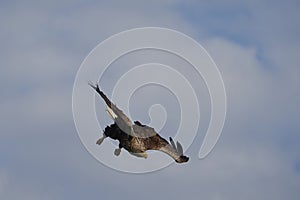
135 144
135 137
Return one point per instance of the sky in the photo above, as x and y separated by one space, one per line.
255 45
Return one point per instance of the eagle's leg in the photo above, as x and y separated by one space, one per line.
100 140
118 150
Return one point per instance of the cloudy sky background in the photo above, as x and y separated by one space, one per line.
255 46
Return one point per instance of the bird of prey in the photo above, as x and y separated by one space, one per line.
135 137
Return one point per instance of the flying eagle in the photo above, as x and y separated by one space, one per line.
135 137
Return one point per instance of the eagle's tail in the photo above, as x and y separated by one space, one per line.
104 97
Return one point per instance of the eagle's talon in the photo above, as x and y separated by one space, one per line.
117 152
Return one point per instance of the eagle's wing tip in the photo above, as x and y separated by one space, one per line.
94 86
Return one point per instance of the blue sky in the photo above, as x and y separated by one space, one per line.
255 45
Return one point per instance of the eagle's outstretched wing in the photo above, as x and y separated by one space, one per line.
123 122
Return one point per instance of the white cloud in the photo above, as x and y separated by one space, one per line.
12 188
44 46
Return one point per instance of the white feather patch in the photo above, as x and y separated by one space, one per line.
143 155
111 113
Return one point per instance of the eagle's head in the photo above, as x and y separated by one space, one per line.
182 159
